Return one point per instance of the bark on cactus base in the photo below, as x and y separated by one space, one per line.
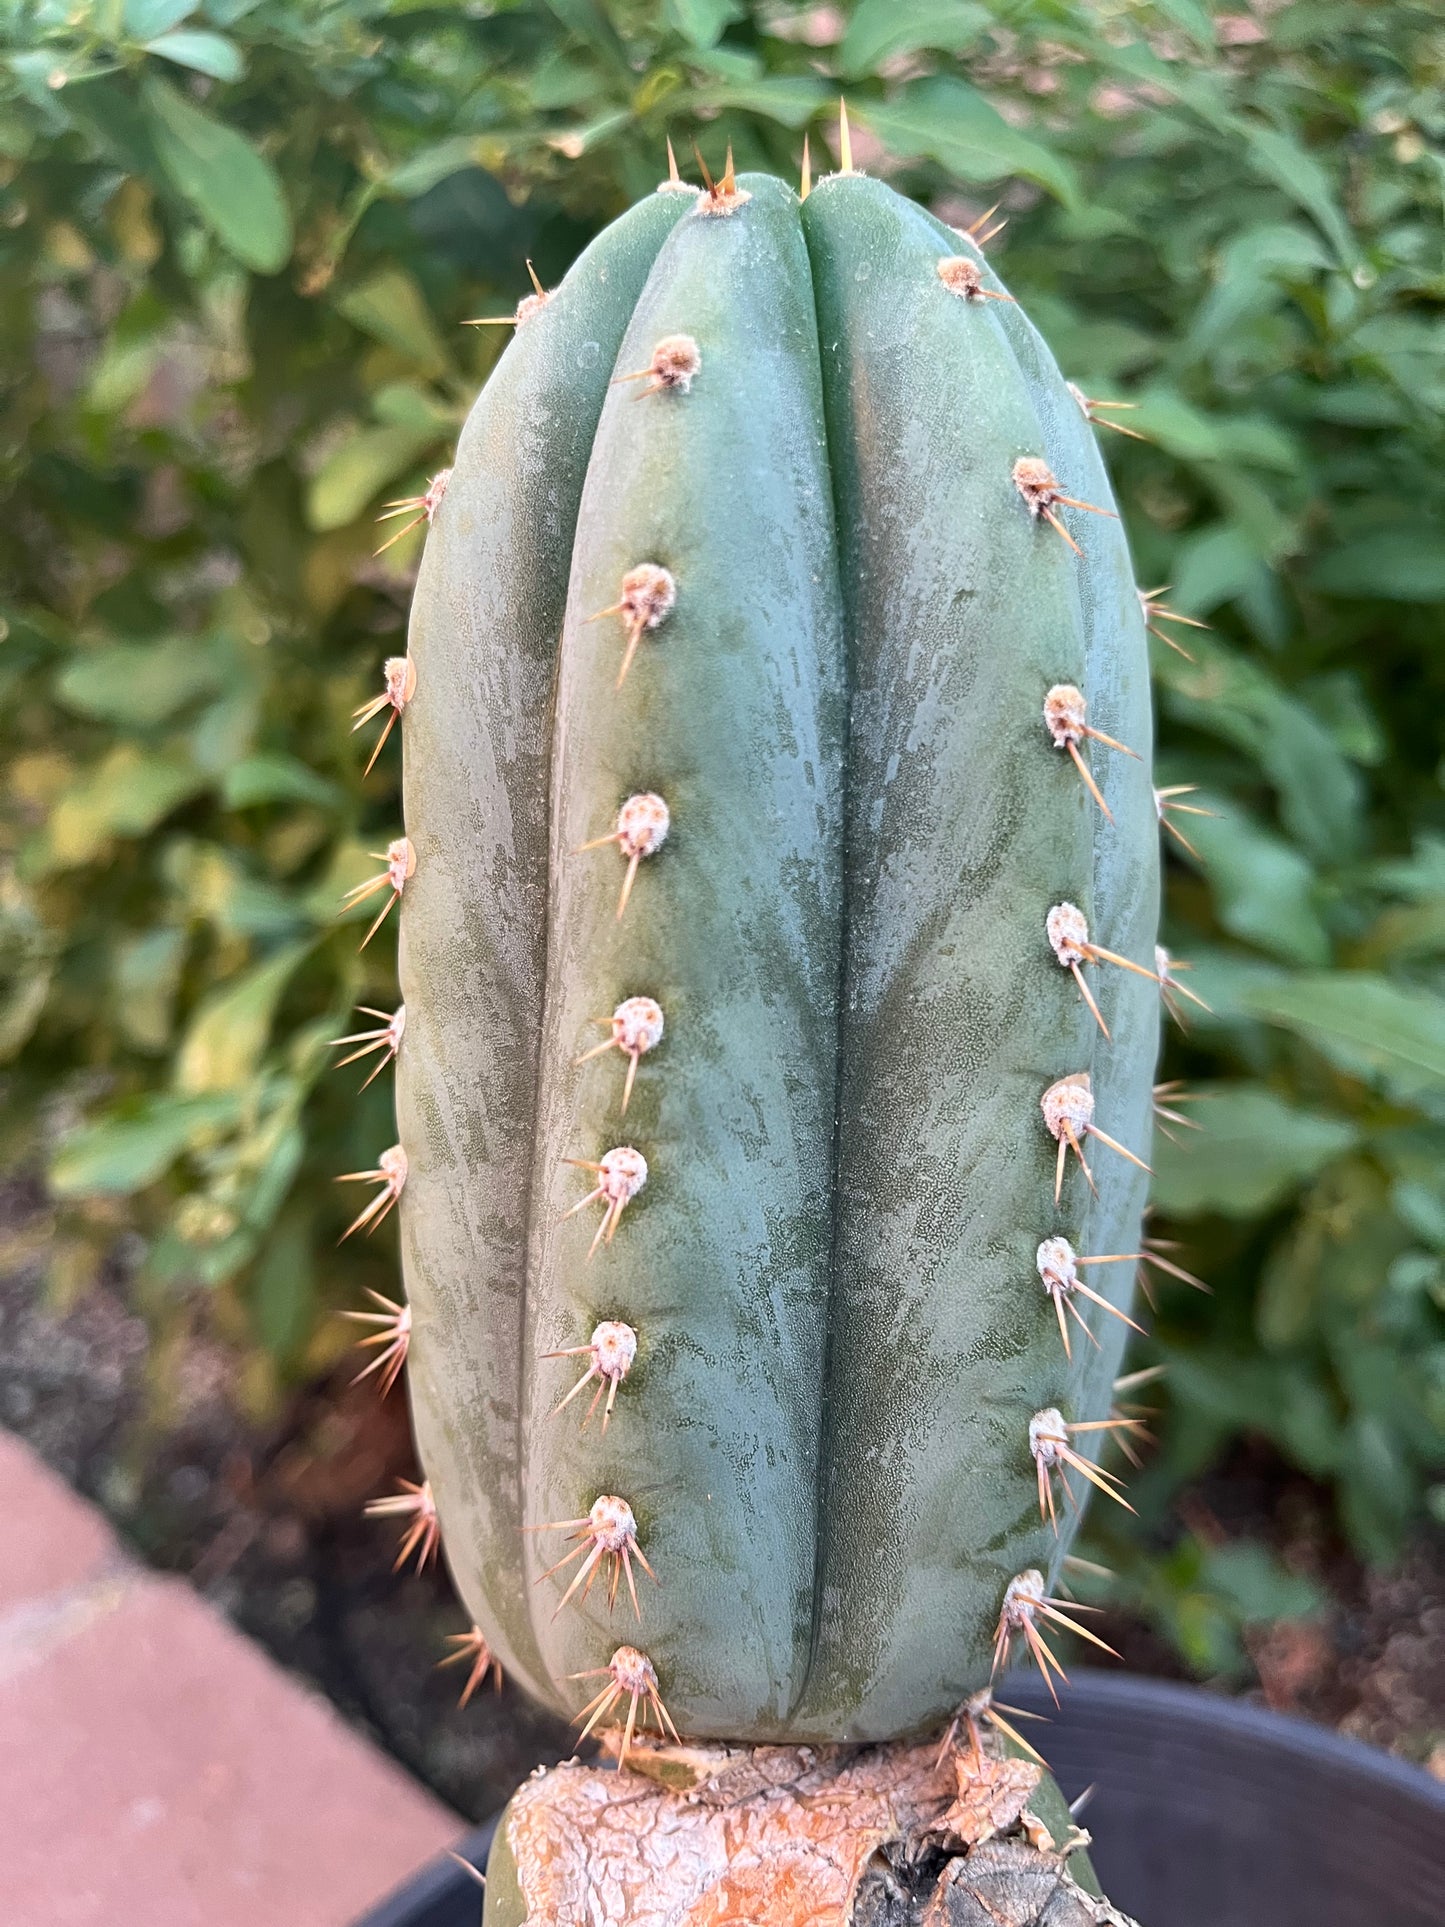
903 1835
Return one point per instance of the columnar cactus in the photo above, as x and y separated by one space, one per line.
772 1102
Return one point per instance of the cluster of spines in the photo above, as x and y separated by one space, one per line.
607 1535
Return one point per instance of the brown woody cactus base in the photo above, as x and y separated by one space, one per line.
901 1835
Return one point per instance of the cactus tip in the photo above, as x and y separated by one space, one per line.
529 305
719 197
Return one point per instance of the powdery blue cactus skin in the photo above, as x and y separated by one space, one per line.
841 1335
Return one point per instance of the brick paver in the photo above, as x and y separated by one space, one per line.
159 1770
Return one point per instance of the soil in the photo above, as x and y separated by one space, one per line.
267 1522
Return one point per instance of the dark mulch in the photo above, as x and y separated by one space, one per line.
267 1522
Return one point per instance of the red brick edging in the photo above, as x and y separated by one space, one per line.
157 1769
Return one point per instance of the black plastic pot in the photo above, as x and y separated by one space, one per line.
1205 1813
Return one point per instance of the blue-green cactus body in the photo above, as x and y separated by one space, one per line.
821 1445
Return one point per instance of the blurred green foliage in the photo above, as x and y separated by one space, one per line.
238 241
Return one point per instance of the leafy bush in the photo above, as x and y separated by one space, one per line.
239 241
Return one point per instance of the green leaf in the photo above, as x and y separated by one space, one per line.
949 122
1372 1028
790 99
126 794
886 29
591 25
135 1145
275 779
1258 1587
235 190
390 308
146 974
228 1034
285 1290
144 19
1394 564
136 684
1263 889
360 468
419 173
1251 1149
206 53
1192 17
1297 172
700 22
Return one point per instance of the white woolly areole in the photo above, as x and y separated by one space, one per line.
1067 1107
637 1024
1058 1265
961 276
393 1167
436 488
529 305
1068 930
1047 1434
1081 398
1022 1595
642 824
611 1524
622 1174
676 359
721 200
1161 963
398 674
1065 714
400 862
396 1029
614 1346
632 1671
648 594
1036 482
